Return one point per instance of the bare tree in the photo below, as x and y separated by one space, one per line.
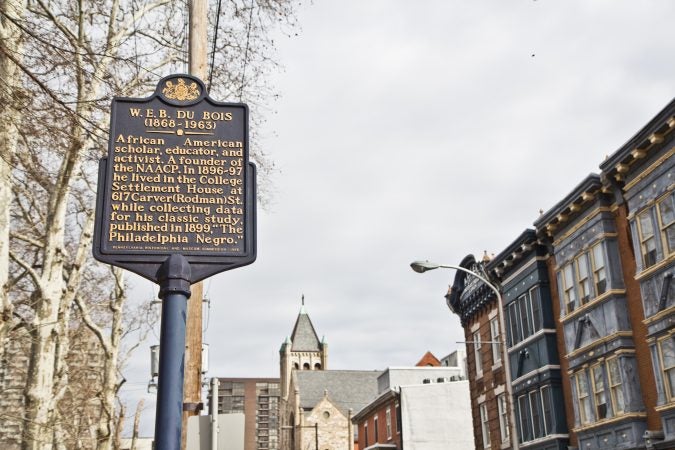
61 61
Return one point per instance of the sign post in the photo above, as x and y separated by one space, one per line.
176 204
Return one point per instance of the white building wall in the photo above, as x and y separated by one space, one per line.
437 416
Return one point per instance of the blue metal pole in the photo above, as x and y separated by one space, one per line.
174 277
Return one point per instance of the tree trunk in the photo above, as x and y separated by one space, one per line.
137 421
10 116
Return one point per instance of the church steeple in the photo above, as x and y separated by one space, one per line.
303 351
304 337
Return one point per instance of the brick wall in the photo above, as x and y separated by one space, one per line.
636 315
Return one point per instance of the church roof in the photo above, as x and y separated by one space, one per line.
347 389
304 338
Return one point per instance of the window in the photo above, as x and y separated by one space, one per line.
399 423
524 316
535 414
523 302
667 356
365 434
477 354
503 417
485 425
569 294
583 396
496 342
513 323
388 417
525 434
666 209
375 428
647 240
535 409
614 377
536 308
599 271
583 278
599 393
547 410
606 384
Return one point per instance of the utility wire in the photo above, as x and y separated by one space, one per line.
248 39
215 41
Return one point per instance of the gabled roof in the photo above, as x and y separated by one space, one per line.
347 389
304 338
429 359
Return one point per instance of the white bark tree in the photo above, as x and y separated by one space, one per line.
10 118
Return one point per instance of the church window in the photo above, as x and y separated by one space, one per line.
326 415
296 366
317 366
305 366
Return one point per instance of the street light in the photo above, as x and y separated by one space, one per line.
424 266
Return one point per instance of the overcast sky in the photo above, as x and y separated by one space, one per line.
421 130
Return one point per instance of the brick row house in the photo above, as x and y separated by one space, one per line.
586 313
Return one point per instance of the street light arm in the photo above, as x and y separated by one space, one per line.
423 266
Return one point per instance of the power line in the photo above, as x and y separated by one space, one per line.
248 38
215 41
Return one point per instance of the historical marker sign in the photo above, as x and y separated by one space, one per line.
176 180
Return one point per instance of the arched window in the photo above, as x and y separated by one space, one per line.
296 366
305 366
317 366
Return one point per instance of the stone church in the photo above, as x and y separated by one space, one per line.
317 404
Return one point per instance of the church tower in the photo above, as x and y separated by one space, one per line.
302 351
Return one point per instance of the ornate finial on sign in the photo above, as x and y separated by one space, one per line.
486 258
181 91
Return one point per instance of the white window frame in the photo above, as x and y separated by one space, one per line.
584 401
569 288
484 424
495 334
615 386
668 388
503 411
665 226
545 393
598 267
647 240
599 391
478 357
583 278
